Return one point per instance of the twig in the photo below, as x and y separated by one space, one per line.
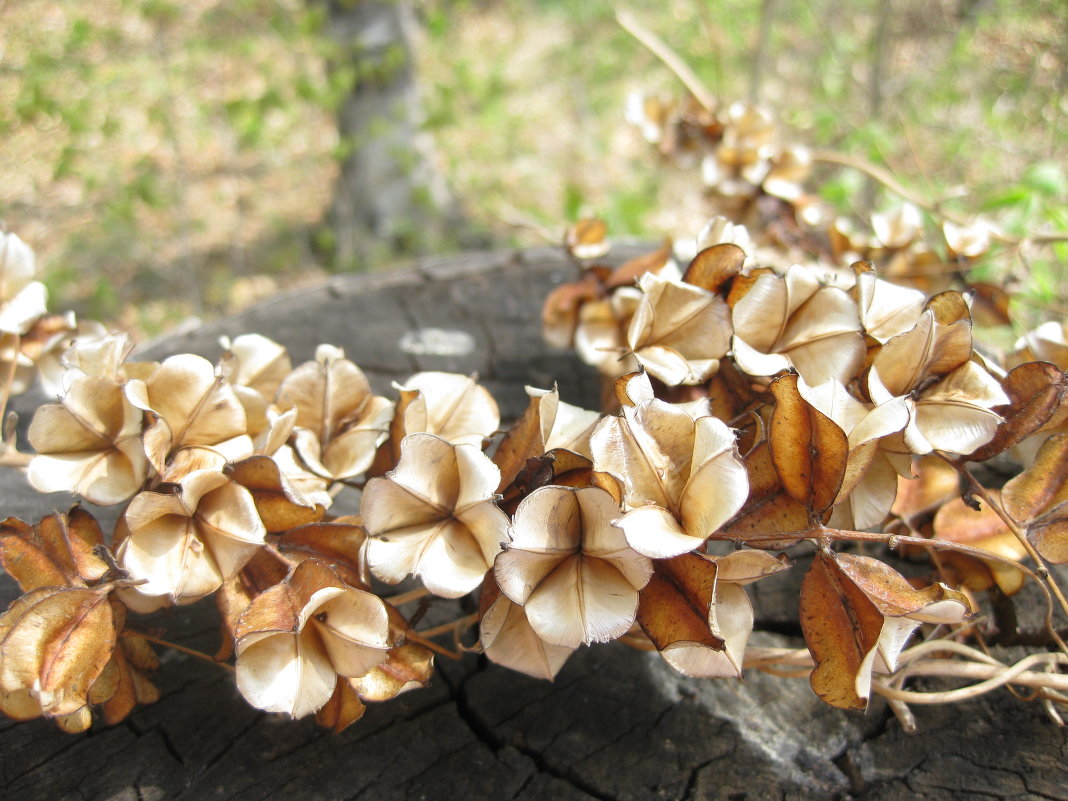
176 647
671 60
407 597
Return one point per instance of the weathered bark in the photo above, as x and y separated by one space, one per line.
388 197
616 723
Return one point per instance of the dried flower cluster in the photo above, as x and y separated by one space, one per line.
760 412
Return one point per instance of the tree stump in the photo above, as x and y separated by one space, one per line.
616 723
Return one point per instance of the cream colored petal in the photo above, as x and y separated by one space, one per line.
649 449
518 572
451 563
18 314
831 398
354 628
261 363
887 309
757 363
653 532
18 265
840 357
394 556
458 409
718 485
427 469
548 521
488 525
509 640
229 511
582 601
758 317
169 556
477 474
351 453
284 673
327 392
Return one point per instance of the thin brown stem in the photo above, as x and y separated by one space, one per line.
462 622
176 647
671 59
9 377
413 636
407 597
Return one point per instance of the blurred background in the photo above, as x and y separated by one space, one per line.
173 159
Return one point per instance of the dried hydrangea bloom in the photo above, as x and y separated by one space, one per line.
886 309
89 443
55 643
570 568
795 321
434 516
953 415
682 476
196 416
1048 343
679 332
968 241
452 406
899 227
600 334
187 543
22 300
340 422
97 351
296 638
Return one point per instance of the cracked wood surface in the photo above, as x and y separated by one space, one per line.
616 723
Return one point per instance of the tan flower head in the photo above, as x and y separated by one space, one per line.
434 516
298 637
186 544
682 476
89 443
196 416
340 422
570 568
22 300
452 406
795 321
679 332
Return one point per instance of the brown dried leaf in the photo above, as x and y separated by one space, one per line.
715 266
57 647
340 543
1038 500
769 508
809 450
841 627
279 505
343 709
956 521
407 667
1038 393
